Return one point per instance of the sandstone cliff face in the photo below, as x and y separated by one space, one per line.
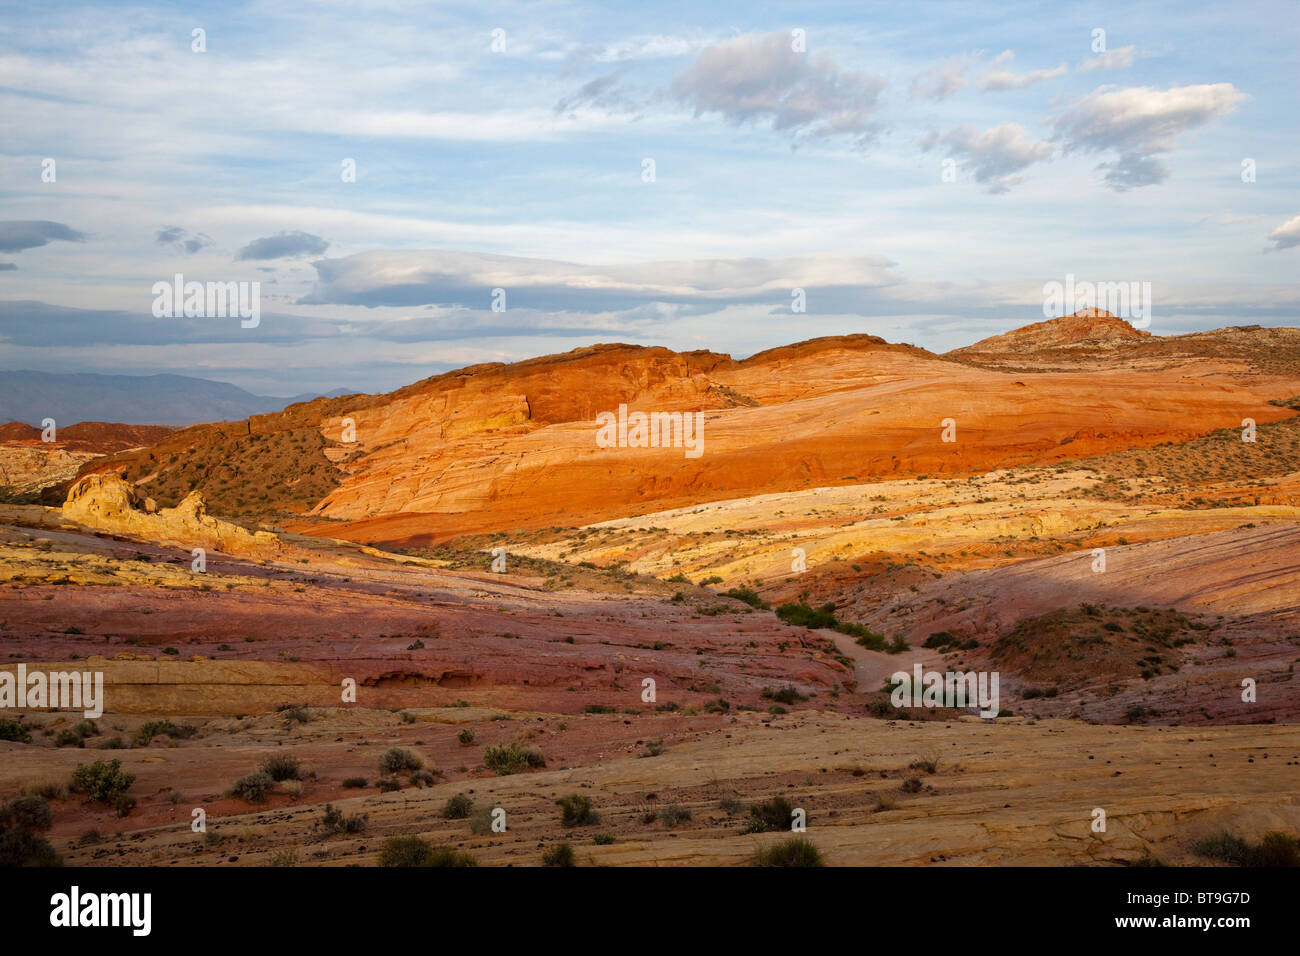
107 502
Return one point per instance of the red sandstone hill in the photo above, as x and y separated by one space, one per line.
96 437
1094 337
499 446
1087 328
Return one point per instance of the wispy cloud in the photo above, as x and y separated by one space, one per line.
995 155
999 79
1117 59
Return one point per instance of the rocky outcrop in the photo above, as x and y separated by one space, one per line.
109 503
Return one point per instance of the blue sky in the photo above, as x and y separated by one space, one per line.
522 168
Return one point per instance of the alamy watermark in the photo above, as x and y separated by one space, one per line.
951 689
651 430
69 690
208 300
1127 300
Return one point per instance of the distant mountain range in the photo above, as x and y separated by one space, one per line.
132 399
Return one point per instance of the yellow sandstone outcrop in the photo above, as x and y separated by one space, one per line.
110 503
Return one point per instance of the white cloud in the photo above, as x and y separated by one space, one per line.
1138 123
942 80
1287 235
758 77
996 155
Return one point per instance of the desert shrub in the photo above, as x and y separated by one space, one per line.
731 805
480 821
506 759
281 767
398 759
603 839
333 820
787 695
296 715
282 858
27 813
559 855
14 731
422 777
388 784
1276 849
912 785
446 856
673 814
123 804
796 851
801 615
466 736
576 811
941 639
101 781
404 851
49 789
928 763
599 709
458 807
748 595
21 844
253 788
354 783
153 728
770 816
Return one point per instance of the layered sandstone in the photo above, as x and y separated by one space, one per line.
108 503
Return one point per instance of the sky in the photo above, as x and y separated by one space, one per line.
658 174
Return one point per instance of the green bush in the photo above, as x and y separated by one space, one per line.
941 639
153 728
801 615
673 814
333 821
748 595
795 851
466 736
404 851
458 807
770 816
253 788
354 783
559 855
281 767
506 759
576 811
398 759
26 813
1276 849
102 781
21 819
446 856
12 730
